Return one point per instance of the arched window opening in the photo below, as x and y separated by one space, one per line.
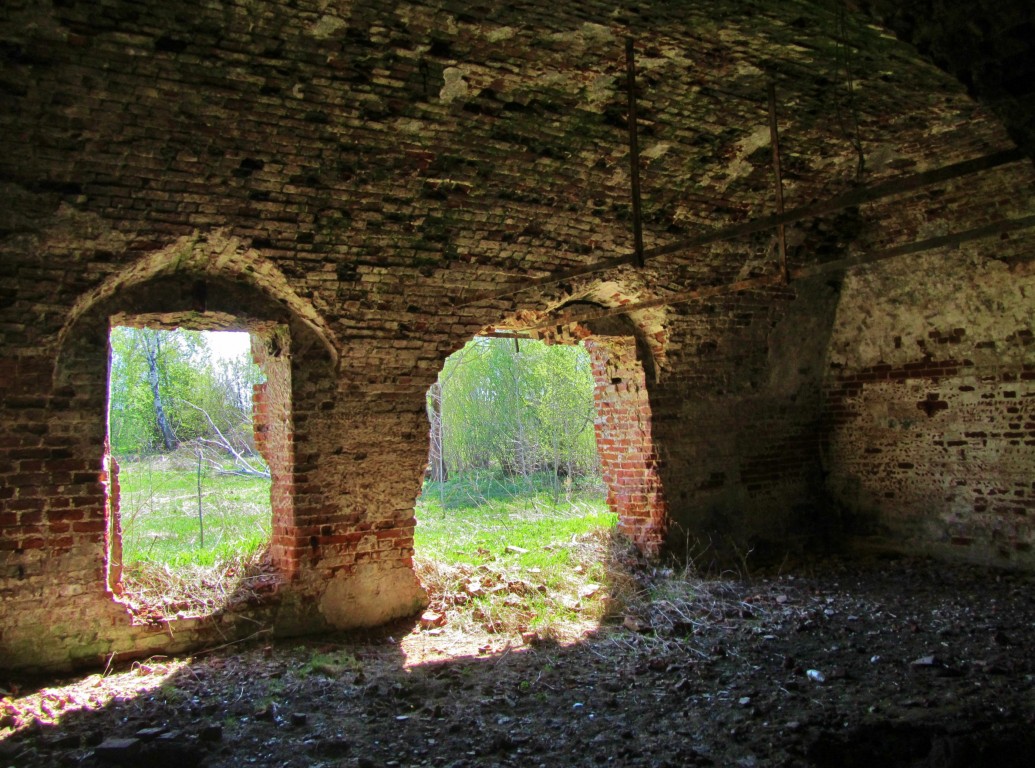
192 479
513 521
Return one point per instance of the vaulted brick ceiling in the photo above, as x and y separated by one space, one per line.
481 143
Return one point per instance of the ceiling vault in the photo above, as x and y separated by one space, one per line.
855 197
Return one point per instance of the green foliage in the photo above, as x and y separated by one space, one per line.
331 664
518 407
193 388
510 555
159 510
484 515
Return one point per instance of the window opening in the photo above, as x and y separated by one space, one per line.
189 494
513 525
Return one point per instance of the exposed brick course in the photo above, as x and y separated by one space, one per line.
623 430
343 176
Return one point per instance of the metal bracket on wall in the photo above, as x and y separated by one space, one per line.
774 138
854 197
634 152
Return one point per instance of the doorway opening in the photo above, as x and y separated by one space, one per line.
513 523
190 472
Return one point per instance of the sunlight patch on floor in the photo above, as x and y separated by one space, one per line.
48 706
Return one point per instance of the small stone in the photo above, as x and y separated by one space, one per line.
589 590
431 619
299 719
118 751
150 734
815 676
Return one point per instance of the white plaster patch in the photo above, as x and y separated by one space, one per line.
879 158
500 34
655 151
739 166
619 177
410 126
370 596
667 55
454 87
600 89
596 33
748 70
327 26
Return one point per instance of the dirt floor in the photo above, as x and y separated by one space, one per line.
896 662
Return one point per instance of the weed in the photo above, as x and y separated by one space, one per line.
160 521
507 555
331 664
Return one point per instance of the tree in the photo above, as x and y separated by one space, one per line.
519 407
165 390
151 342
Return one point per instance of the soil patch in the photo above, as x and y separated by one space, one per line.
893 663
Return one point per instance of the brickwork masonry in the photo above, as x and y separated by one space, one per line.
930 405
354 172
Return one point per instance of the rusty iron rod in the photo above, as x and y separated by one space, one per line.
503 335
889 188
769 281
774 138
634 152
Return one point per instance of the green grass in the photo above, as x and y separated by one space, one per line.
485 514
159 510
558 547
533 544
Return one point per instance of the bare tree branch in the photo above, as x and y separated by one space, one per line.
242 462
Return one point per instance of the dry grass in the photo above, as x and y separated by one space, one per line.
156 590
561 604
680 609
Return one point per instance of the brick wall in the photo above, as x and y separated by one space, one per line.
273 426
355 172
737 424
931 402
623 430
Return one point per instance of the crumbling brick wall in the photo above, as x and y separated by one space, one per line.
622 424
362 173
931 403
273 426
737 421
